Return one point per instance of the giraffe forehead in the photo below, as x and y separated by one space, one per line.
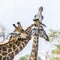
17 32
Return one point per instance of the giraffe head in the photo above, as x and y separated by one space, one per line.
19 31
40 32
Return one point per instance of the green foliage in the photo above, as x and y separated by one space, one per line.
54 58
39 58
54 37
58 46
57 50
22 58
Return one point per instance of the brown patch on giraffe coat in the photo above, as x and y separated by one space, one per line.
18 43
4 53
5 58
25 41
11 55
33 50
35 45
32 55
10 45
16 51
0 57
14 47
0 48
21 47
0 51
4 48
9 50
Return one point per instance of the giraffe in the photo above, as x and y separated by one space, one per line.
16 44
37 32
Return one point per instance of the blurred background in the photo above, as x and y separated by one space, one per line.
12 11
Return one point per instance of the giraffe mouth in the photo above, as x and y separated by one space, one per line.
46 38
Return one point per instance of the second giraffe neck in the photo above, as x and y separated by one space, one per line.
34 52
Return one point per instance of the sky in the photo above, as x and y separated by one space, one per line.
12 11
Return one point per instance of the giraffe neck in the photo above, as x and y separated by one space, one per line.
34 52
29 28
9 50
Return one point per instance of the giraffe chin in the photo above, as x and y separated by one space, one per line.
47 38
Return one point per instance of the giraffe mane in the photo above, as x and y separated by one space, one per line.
7 42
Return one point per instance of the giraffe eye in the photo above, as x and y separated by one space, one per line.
41 29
